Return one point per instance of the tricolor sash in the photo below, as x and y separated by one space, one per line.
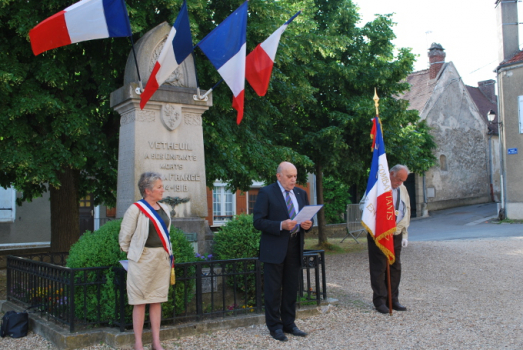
160 226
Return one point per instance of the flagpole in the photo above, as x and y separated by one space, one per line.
204 96
389 289
139 89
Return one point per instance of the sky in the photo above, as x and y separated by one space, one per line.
466 29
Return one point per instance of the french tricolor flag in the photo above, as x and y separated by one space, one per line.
261 60
85 20
177 47
225 47
379 218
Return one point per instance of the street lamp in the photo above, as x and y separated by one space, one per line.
491 116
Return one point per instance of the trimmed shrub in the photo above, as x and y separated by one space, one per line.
239 239
336 196
101 248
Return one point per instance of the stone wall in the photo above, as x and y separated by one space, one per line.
461 174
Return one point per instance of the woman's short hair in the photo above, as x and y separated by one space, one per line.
147 180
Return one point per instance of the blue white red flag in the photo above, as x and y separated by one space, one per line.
159 224
225 47
261 60
176 49
378 216
85 20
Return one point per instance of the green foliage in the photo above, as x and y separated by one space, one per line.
336 196
239 239
316 114
99 249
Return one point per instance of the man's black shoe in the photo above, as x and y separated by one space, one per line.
296 331
278 335
382 309
398 307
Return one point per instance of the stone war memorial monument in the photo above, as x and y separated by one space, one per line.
165 137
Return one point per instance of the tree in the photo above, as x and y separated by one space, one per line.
59 133
333 127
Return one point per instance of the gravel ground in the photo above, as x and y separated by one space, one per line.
461 294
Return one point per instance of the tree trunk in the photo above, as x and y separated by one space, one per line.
65 229
322 234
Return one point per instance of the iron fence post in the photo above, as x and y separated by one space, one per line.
317 277
8 277
258 287
71 298
199 308
323 276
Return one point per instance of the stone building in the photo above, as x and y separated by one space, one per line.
461 175
486 100
510 91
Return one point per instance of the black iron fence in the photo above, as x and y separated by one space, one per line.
204 289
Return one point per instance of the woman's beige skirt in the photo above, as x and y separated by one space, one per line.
148 279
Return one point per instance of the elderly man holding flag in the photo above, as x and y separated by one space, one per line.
386 217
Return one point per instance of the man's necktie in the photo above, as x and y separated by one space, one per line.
291 210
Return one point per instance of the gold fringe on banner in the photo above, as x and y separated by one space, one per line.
391 257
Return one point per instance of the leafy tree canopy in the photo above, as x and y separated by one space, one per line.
56 116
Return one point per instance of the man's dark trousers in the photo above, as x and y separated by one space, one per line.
378 271
282 301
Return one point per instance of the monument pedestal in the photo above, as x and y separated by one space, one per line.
165 137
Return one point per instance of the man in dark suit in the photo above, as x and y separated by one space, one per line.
281 249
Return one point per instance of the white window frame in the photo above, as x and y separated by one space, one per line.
8 196
222 188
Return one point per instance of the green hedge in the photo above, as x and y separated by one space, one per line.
101 248
239 239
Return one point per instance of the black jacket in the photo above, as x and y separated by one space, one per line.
269 211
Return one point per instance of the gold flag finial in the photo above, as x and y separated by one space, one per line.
376 101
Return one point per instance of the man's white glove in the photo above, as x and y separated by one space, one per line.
404 243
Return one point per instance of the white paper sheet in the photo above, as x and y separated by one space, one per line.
307 213
125 264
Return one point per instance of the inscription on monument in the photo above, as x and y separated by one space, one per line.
174 181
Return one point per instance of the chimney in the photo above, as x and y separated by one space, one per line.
507 20
487 88
436 59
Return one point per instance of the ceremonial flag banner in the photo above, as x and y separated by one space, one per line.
176 49
225 47
378 216
261 60
85 20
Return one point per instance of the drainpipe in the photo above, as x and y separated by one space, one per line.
490 163
425 204
502 213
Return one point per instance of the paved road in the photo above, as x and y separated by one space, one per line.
470 222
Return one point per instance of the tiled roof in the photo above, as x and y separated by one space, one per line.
420 91
484 106
518 57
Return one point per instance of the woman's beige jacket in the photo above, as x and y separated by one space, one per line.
135 230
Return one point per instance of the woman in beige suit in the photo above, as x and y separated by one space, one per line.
149 256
